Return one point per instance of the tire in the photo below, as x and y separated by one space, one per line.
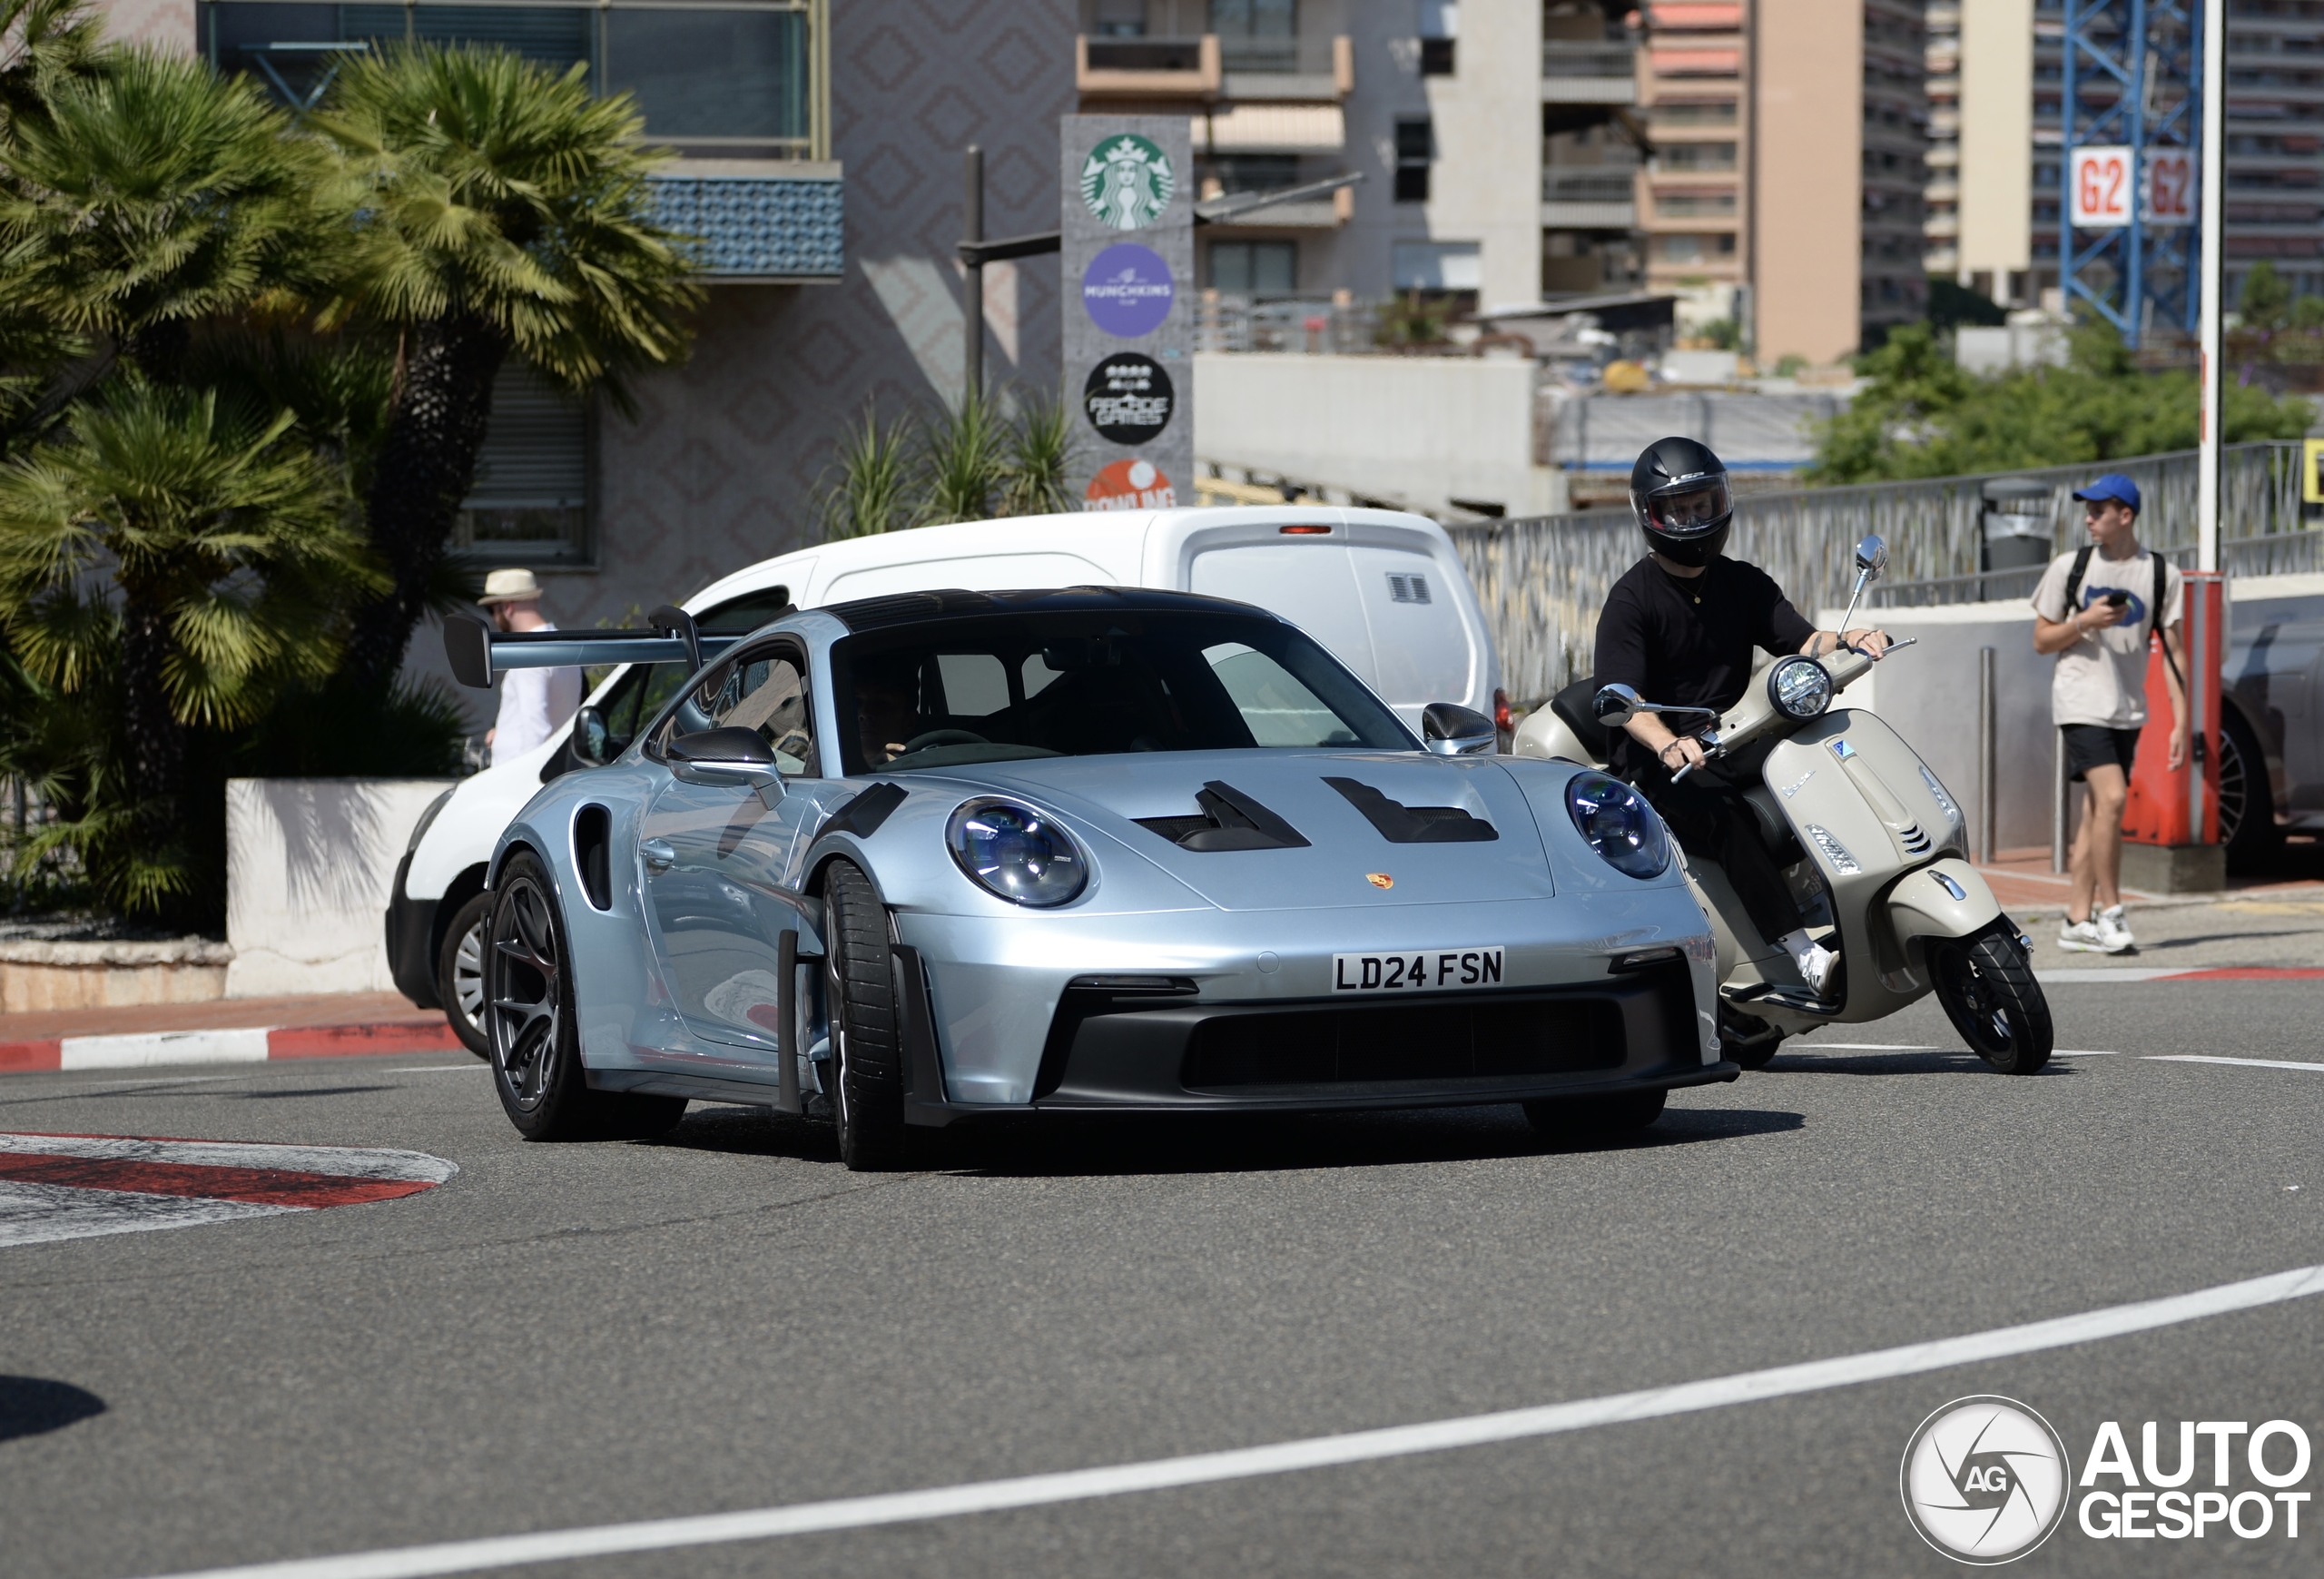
460 974
2246 805
1987 987
867 1040
535 1038
1584 1119
1747 1038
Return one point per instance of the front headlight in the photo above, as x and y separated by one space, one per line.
1615 821
1800 687
1014 853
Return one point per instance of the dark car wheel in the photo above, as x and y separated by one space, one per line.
1577 1120
1987 987
866 1028
535 1038
2247 805
460 973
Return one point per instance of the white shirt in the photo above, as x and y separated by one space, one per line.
2102 678
534 704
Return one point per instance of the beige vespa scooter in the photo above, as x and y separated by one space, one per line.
1874 848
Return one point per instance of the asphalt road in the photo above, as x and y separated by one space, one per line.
581 1335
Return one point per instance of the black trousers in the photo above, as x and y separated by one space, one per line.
1712 823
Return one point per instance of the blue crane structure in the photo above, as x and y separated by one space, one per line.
2132 79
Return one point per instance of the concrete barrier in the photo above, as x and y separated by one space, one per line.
36 975
308 865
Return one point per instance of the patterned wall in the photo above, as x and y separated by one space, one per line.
716 470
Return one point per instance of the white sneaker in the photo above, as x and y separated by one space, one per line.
2082 937
1814 962
2115 928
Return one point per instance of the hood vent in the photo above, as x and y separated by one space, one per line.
1402 824
1230 820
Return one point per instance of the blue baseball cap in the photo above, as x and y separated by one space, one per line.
2113 486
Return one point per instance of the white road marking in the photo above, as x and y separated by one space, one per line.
857 1513
2083 1052
339 1161
32 1214
241 1045
2113 973
2245 1062
1866 1047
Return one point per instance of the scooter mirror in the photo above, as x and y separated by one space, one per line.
1614 705
1872 556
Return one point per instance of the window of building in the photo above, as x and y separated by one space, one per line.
1695 249
1415 149
1695 112
1255 268
1120 19
529 503
1256 36
1695 156
1241 172
1437 265
737 80
1440 25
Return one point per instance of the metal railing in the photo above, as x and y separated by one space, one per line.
1597 186
1542 580
1241 323
1587 60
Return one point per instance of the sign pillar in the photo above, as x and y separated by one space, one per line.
1127 281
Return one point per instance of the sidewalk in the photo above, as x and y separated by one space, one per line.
223 1030
2021 880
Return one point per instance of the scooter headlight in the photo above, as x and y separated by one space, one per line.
1615 821
1800 688
1015 852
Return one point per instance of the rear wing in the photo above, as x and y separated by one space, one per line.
481 654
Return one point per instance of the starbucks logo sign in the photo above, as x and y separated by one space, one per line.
1126 182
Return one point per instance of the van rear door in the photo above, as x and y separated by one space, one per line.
1421 650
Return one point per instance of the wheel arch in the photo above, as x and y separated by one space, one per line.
464 886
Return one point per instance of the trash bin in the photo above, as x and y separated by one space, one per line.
2016 532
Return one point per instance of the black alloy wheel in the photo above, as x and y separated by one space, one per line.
535 1041
1579 1120
867 1060
2246 805
1987 987
460 974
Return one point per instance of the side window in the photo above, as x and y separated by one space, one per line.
765 691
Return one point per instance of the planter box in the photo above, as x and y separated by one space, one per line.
36 976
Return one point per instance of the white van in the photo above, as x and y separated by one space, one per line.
1383 591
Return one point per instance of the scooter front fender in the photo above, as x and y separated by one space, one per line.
1944 899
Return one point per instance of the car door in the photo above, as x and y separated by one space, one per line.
718 862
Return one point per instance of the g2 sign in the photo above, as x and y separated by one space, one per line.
2169 197
2101 190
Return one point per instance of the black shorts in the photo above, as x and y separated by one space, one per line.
2090 745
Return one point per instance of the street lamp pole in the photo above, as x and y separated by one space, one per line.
972 295
2212 429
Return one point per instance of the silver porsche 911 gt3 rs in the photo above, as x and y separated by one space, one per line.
941 857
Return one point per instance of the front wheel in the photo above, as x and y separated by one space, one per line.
866 1023
1987 987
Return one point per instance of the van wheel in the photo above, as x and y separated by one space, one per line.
460 973
1987 987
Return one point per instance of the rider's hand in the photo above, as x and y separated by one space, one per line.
1869 642
1683 752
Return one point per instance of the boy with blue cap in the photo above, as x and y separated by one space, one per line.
2096 609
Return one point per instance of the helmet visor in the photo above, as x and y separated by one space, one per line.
1685 508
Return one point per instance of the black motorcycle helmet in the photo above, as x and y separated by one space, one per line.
1679 491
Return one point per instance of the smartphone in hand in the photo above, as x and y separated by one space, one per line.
2117 599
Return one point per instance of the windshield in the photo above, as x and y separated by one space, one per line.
995 688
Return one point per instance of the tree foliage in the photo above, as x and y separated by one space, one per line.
1923 416
997 456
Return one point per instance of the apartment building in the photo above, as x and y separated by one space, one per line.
1694 195
2011 86
1839 172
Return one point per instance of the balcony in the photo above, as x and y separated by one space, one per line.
760 221
1319 70
1603 200
1147 68
1588 74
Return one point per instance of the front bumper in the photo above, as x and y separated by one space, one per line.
411 938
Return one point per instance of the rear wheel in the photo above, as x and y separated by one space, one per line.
1582 1118
1987 987
528 1015
2247 807
460 973
866 1024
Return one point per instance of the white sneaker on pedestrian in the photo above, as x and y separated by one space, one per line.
2082 937
2115 928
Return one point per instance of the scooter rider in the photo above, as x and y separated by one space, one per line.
1678 628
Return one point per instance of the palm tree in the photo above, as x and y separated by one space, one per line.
231 547
506 211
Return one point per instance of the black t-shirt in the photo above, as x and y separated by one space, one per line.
1688 641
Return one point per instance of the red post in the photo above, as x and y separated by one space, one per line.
2182 807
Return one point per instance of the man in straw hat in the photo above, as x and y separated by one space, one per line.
534 703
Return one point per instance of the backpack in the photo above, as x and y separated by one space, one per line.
2153 605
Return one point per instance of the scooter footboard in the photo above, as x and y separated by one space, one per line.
1945 899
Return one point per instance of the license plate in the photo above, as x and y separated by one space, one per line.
1417 971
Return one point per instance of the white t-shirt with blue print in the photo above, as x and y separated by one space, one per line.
2102 678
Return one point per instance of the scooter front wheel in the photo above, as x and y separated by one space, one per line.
1987 987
